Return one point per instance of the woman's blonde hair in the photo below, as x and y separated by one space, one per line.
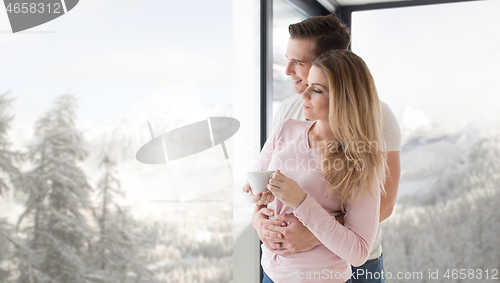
355 163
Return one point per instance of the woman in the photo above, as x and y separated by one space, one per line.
332 163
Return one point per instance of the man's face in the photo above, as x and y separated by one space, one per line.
298 53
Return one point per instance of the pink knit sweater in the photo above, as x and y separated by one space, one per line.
287 149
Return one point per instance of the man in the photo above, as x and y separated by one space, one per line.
308 39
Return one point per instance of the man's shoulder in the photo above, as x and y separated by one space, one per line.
385 107
292 99
391 130
290 107
387 113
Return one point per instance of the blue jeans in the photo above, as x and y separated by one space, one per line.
370 272
266 279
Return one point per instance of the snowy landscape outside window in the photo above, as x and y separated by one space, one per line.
437 67
79 96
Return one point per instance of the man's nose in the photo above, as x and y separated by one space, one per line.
290 70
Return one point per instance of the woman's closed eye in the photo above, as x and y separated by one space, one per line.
318 90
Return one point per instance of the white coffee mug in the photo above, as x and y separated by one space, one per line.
258 180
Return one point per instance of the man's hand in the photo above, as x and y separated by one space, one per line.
260 218
294 238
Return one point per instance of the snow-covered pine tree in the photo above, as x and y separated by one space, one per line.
55 219
121 241
6 251
107 188
8 157
8 173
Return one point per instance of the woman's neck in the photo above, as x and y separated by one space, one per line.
320 134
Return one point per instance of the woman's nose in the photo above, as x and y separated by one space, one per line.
305 94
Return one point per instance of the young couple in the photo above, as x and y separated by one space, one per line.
316 222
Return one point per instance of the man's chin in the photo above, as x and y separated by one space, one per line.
299 89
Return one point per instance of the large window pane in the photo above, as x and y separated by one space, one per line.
437 67
131 71
246 93
284 14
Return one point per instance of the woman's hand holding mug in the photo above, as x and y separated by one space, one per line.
259 198
286 190
257 187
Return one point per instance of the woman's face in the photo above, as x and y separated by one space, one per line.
316 97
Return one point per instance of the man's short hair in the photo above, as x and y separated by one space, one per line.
327 32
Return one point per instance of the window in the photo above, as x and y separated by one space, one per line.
127 64
284 14
437 67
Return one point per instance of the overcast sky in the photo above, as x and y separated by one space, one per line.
435 65
111 53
